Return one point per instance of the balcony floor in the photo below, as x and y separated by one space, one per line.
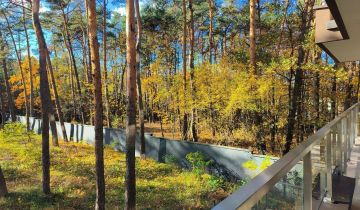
353 171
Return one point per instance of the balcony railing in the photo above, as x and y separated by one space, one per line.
305 172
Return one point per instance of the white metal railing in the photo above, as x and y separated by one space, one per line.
337 139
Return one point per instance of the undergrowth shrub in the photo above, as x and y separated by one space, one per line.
198 162
170 159
15 129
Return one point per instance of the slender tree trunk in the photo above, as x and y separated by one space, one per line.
185 118
282 26
21 72
349 87
333 93
130 179
70 67
211 39
138 80
252 32
3 106
57 100
317 94
192 73
85 58
10 98
88 42
107 104
99 151
44 96
31 102
72 57
3 187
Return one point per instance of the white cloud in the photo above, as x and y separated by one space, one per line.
121 10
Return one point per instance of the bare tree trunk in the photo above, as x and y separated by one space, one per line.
10 98
252 35
138 80
99 151
107 105
88 43
57 100
85 58
211 39
70 66
317 94
3 187
349 87
31 102
3 108
192 76
282 26
130 177
333 93
45 97
21 72
185 118
72 57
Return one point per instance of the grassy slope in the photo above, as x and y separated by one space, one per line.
159 186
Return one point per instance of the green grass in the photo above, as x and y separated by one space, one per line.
159 186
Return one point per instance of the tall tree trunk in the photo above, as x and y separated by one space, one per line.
333 93
10 98
88 42
85 58
31 102
70 67
107 104
99 151
349 86
3 187
252 32
57 100
72 57
192 76
44 96
138 80
317 94
306 19
21 72
211 39
3 106
282 26
252 51
185 118
130 179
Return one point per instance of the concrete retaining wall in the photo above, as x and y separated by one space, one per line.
227 160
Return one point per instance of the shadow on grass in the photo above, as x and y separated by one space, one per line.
35 199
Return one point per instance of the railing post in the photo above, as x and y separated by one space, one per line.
339 144
356 121
349 120
307 181
328 158
353 123
344 146
333 144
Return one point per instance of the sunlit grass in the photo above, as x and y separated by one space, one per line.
159 186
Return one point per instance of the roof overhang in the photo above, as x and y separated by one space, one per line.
337 29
